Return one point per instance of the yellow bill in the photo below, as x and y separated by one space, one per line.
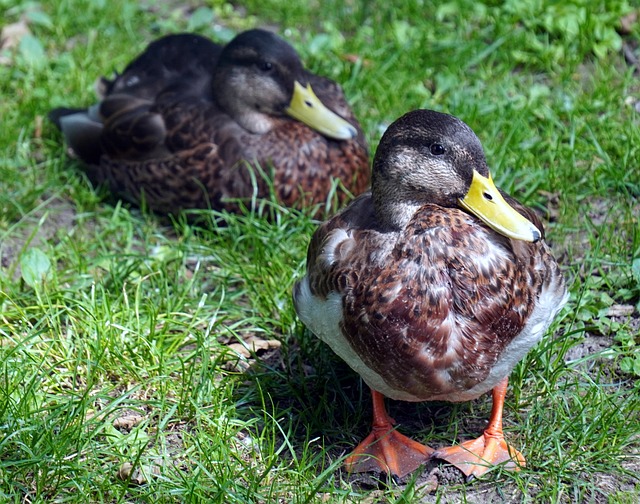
306 107
485 201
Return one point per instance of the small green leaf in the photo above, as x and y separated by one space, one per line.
584 314
35 266
32 51
626 364
165 254
606 299
40 18
635 270
319 44
201 18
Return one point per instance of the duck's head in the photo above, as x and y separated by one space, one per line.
430 157
260 77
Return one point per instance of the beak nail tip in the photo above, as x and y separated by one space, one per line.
536 236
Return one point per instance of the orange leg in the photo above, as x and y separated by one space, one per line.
474 458
385 448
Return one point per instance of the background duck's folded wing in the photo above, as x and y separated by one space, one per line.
82 131
132 129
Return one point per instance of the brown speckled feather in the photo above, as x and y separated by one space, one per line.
432 303
427 298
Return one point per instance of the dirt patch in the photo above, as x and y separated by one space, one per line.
36 229
590 345
575 245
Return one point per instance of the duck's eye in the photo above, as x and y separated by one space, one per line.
265 66
437 149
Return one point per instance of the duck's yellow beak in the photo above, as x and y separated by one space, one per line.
485 201
306 107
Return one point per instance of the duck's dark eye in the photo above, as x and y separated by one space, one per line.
265 66
437 149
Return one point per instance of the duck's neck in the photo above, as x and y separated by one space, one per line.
226 94
393 214
253 121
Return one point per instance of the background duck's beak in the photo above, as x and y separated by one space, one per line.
485 201
306 107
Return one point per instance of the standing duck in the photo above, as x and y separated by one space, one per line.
432 287
191 124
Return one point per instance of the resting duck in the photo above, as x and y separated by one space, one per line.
191 124
432 287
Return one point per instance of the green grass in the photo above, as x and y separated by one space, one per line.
116 327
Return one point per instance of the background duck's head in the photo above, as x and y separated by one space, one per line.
260 77
430 157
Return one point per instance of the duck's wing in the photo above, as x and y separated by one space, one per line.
442 310
122 126
182 60
126 123
82 129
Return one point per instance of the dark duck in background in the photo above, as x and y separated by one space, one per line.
192 124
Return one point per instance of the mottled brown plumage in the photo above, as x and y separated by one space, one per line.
191 124
424 299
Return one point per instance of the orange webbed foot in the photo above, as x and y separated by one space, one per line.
476 457
385 449
388 451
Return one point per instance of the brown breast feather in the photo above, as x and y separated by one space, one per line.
433 316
